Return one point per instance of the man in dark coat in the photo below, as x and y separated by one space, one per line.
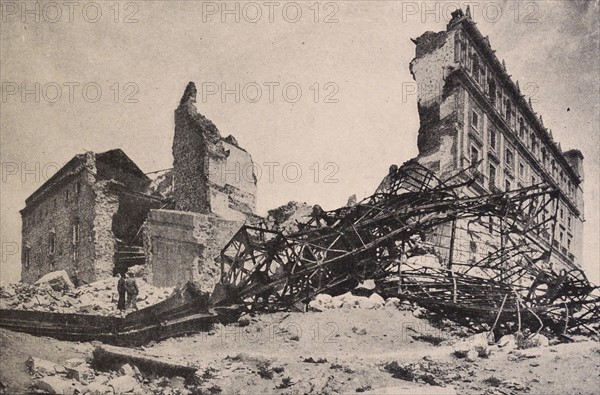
132 291
121 290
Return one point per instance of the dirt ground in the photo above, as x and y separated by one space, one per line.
339 351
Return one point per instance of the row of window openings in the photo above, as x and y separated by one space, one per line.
509 114
509 160
52 244
508 186
496 100
493 144
43 212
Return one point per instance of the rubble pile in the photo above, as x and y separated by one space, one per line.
76 376
350 301
98 298
288 217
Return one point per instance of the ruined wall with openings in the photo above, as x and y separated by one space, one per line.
63 216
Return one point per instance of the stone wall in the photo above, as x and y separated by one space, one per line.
68 205
438 102
105 207
212 174
182 246
75 212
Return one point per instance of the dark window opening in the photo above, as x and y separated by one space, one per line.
474 155
492 176
75 233
27 254
509 158
493 139
52 243
475 120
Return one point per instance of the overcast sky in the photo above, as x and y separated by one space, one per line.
355 116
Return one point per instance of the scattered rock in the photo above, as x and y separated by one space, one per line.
412 389
41 366
539 340
127 370
508 342
99 298
471 356
377 300
393 303
178 383
419 312
97 388
60 370
81 373
124 384
477 343
58 280
312 360
57 385
365 288
74 362
244 320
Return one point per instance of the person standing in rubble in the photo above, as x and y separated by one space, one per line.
132 291
121 290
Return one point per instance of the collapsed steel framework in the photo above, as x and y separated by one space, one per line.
386 236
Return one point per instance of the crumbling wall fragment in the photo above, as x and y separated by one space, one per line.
212 174
105 208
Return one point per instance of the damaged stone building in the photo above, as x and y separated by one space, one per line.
100 213
84 216
473 114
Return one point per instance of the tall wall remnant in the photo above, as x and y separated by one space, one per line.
212 174
214 191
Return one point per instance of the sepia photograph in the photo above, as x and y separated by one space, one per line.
385 197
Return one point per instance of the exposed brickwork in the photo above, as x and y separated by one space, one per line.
73 213
212 174
105 207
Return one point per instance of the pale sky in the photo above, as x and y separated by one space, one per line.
363 119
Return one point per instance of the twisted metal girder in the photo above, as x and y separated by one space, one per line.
334 250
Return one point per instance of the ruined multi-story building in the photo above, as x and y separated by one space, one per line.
80 218
100 214
473 114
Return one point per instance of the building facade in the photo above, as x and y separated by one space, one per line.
473 114
78 219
